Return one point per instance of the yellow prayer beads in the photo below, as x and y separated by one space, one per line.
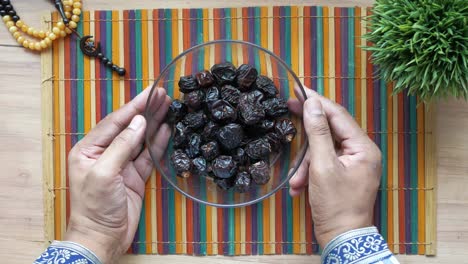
19 29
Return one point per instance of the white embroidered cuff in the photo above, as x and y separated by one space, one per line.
67 252
364 245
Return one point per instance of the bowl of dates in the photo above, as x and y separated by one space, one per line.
234 141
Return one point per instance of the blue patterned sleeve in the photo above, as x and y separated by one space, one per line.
364 245
65 252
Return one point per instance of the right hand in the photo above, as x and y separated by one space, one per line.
342 168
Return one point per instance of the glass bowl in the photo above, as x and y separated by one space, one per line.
282 165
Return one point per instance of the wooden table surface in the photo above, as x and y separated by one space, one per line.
21 204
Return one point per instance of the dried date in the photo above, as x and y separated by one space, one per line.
188 83
230 94
266 86
193 146
275 140
177 110
286 130
195 120
211 95
243 182
199 166
251 110
210 131
224 73
230 136
180 135
251 115
266 125
240 156
246 76
204 79
222 111
194 99
224 167
275 107
181 163
258 149
254 97
260 172
210 150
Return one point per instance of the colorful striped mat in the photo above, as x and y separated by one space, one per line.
322 46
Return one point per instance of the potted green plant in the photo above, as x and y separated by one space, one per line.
422 46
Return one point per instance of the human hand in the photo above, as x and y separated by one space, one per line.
108 171
342 168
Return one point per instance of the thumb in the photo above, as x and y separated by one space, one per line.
318 133
116 156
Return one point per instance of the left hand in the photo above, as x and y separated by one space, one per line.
108 171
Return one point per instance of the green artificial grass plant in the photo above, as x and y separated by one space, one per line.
421 45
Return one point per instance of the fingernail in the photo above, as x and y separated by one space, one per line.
136 123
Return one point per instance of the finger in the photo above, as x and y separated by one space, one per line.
154 121
296 192
144 163
155 131
158 146
137 151
106 130
300 95
341 122
299 179
132 179
318 133
295 106
116 156
158 116
156 100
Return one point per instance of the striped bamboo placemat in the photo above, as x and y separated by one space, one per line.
322 46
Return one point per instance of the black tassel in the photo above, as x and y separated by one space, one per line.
59 6
89 48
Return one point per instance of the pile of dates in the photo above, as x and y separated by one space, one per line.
227 125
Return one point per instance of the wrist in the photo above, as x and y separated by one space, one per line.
105 247
325 234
